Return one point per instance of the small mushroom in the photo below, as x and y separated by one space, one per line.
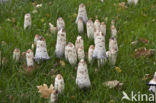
90 29
81 53
60 44
52 29
82 78
90 53
103 28
79 42
41 50
80 26
70 53
97 25
82 13
16 54
27 21
133 2
54 96
59 83
113 31
30 58
60 23
100 51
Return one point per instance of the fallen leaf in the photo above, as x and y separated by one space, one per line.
122 5
118 69
44 91
62 63
143 52
113 84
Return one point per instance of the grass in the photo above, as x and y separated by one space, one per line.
132 23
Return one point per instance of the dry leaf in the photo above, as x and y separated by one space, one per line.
62 63
44 91
113 84
118 69
122 4
143 52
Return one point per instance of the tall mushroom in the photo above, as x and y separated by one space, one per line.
81 53
70 53
113 50
90 53
103 28
79 42
27 20
82 78
41 50
59 83
60 23
90 29
100 51
61 43
97 25
80 25
29 60
37 37
82 13
16 54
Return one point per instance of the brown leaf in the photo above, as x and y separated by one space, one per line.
44 91
113 84
143 52
122 5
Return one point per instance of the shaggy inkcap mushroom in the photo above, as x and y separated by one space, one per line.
133 2
54 96
52 29
37 37
100 51
90 53
59 83
97 25
27 20
82 78
153 81
61 43
16 54
80 53
70 53
113 31
82 13
30 58
80 25
103 28
79 42
60 23
90 29
41 50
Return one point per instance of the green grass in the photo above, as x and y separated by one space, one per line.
18 87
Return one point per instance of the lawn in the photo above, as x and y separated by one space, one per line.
132 23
